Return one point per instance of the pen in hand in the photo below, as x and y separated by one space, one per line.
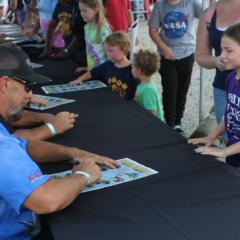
73 162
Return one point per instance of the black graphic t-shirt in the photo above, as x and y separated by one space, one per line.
65 16
120 80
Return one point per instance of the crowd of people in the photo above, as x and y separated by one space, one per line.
95 34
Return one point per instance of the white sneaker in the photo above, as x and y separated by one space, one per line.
178 128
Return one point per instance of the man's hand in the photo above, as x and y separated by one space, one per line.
38 100
101 160
91 168
63 121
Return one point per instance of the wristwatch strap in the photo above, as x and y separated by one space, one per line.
51 129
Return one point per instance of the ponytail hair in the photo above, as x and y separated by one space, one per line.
99 18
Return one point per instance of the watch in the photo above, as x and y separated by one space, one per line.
85 174
65 50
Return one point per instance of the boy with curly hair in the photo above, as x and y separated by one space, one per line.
145 64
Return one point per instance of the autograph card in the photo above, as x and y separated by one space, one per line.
67 88
128 171
52 102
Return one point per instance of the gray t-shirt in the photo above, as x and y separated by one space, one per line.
176 25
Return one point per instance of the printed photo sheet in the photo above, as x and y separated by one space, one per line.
67 88
52 102
128 171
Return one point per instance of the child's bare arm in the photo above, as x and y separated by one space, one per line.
86 76
220 152
167 52
154 112
208 140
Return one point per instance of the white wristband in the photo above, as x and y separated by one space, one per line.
87 175
51 129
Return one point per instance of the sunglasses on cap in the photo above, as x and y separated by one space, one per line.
27 86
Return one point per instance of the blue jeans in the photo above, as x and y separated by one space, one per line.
220 100
219 103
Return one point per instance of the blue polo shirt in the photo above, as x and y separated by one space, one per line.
19 176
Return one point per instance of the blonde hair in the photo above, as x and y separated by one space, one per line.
147 61
120 39
99 18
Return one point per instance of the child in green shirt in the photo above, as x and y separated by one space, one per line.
145 64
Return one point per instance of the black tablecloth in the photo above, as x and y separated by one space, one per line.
59 70
192 197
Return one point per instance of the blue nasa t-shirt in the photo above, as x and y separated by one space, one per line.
176 24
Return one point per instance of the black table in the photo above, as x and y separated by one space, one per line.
193 197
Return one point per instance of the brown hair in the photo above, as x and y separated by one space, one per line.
120 39
147 61
100 19
233 32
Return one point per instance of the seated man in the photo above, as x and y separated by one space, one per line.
24 190
51 125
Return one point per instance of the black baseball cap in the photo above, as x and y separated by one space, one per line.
14 63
